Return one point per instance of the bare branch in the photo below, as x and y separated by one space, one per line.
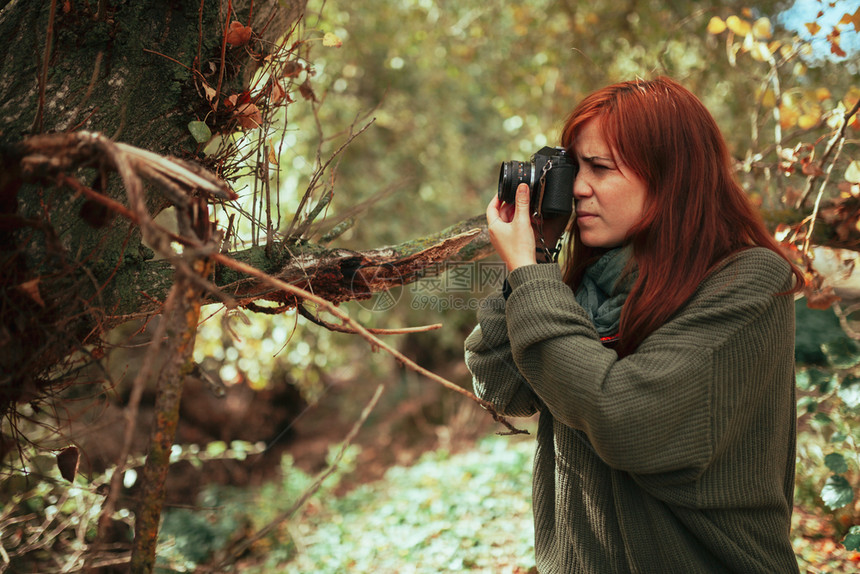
375 342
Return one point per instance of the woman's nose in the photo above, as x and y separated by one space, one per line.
581 188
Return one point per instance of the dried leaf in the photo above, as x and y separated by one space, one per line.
762 29
783 230
292 69
238 34
716 26
209 91
759 51
809 167
738 26
836 49
249 116
277 93
808 120
67 462
236 100
852 19
821 298
31 290
331 40
307 91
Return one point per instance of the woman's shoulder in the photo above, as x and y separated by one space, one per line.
758 267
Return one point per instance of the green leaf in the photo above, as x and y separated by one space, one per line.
849 392
822 418
838 437
801 378
836 463
841 353
809 379
837 492
807 405
852 539
200 131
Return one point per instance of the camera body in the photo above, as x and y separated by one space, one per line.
558 170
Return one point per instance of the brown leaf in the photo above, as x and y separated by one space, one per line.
823 299
67 462
277 93
307 91
836 49
238 34
209 91
809 167
249 116
852 19
31 289
292 69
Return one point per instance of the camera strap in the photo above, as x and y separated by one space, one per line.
550 252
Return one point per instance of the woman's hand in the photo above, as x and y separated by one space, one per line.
515 234
511 231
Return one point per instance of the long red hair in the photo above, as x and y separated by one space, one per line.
696 213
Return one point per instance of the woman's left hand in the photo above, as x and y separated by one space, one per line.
511 231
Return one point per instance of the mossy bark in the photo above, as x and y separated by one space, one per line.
122 68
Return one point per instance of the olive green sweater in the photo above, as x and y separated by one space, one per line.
678 458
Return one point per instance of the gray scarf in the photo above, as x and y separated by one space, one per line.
603 290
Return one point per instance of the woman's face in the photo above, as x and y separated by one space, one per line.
610 199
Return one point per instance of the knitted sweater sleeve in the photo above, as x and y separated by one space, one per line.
496 377
653 411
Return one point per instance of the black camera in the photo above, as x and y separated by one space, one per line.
550 168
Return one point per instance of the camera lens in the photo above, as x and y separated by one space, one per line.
511 175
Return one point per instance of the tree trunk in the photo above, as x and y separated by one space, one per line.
122 68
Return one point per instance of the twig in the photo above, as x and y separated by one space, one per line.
131 411
38 122
812 219
181 330
303 225
843 315
341 329
363 332
839 138
224 49
312 489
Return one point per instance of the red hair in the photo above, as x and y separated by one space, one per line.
696 213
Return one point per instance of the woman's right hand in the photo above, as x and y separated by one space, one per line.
511 231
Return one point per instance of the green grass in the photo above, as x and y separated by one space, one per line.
469 511
466 512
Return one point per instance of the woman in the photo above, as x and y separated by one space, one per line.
661 360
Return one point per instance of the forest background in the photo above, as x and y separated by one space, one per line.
386 122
